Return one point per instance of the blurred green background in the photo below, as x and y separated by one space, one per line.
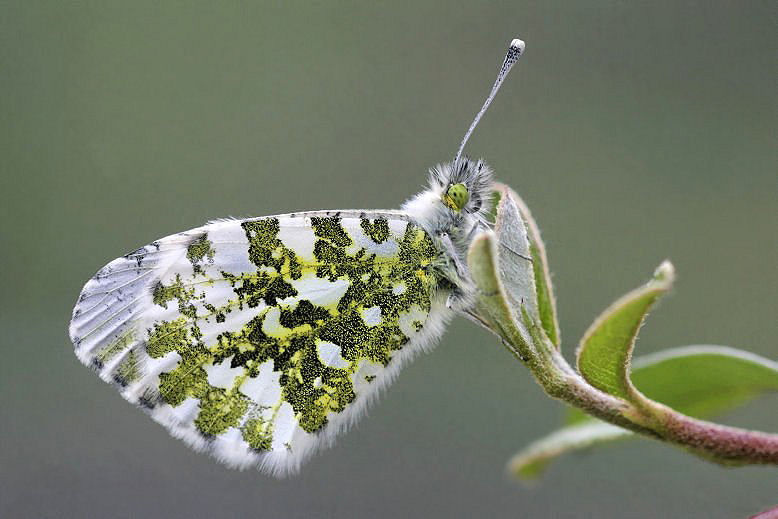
635 131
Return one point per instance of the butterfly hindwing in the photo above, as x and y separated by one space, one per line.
258 340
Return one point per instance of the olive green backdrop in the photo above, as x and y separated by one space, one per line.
635 131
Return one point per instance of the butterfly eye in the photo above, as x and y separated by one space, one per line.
456 197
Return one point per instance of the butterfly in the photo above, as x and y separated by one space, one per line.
258 340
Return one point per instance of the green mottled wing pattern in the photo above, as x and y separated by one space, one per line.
259 340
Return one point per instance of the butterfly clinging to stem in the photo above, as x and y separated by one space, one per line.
259 340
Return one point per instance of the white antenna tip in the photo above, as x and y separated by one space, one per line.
518 45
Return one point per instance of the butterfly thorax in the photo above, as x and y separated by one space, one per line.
453 211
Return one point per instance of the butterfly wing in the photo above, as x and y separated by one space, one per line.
259 340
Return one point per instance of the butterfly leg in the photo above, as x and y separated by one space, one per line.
458 275
451 250
473 317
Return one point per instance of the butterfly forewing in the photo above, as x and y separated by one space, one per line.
258 340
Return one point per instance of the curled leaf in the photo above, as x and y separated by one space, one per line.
606 349
515 262
544 292
492 305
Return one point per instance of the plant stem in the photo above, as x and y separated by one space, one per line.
525 338
719 443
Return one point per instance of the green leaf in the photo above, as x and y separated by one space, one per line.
532 461
606 349
700 381
704 381
491 216
546 303
492 305
482 260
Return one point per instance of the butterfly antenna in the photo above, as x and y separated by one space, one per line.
515 51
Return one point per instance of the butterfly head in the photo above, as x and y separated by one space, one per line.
456 197
457 200
464 186
465 183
